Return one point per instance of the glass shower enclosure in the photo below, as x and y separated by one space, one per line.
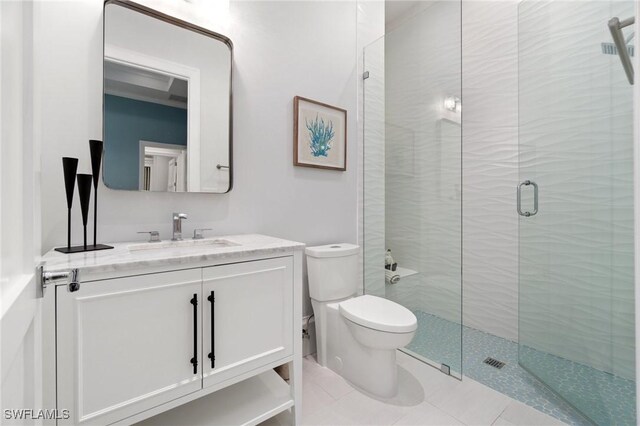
575 281
576 275
412 177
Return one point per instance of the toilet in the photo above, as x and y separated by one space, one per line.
357 336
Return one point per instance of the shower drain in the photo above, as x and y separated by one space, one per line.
494 363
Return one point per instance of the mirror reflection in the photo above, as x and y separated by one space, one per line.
167 99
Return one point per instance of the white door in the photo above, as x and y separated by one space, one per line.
20 331
126 345
249 306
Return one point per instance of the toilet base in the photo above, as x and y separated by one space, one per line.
373 370
376 372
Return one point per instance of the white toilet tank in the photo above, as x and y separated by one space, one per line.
332 271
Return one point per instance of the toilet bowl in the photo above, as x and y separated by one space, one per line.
378 323
357 336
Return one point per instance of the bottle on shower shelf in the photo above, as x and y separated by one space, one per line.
389 263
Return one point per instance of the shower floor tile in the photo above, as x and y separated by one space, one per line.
438 339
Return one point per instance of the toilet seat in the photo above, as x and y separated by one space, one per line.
379 314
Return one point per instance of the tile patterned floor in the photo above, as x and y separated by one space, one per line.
605 398
426 397
613 403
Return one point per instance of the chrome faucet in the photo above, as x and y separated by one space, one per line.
177 226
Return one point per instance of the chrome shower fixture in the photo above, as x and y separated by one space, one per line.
616 26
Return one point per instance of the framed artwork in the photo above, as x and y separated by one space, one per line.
319 135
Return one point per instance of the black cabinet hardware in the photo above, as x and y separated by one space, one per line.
194 360
211 355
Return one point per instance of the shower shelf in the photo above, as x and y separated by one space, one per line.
404 272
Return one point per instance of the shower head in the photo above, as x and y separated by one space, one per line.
611 49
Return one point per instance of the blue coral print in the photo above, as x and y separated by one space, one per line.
320 136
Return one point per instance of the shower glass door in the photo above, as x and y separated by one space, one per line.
576 279
412 176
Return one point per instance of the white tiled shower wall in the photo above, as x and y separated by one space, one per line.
489 88
422 159
490 155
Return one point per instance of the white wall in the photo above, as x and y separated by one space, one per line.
281 49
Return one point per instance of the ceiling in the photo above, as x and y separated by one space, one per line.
144 85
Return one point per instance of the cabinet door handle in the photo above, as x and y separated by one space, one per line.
194 360
211 355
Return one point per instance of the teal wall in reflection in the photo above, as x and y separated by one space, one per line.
126 122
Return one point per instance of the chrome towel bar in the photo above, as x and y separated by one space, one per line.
43 279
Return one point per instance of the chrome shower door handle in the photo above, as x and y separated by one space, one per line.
535 198
519 198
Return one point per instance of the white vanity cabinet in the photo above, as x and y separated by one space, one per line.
141 343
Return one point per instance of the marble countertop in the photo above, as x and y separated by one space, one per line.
122 258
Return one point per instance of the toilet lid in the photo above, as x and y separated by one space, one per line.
379 314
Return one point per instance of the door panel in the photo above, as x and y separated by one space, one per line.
134 342
576 287
252 316
21 362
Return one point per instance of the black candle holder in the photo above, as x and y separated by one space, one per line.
70 166
96 148
84 191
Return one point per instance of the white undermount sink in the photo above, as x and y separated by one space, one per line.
207 242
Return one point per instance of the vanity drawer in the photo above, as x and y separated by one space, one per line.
250 314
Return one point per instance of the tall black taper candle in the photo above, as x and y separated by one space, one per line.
96 158
84 190
69 167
